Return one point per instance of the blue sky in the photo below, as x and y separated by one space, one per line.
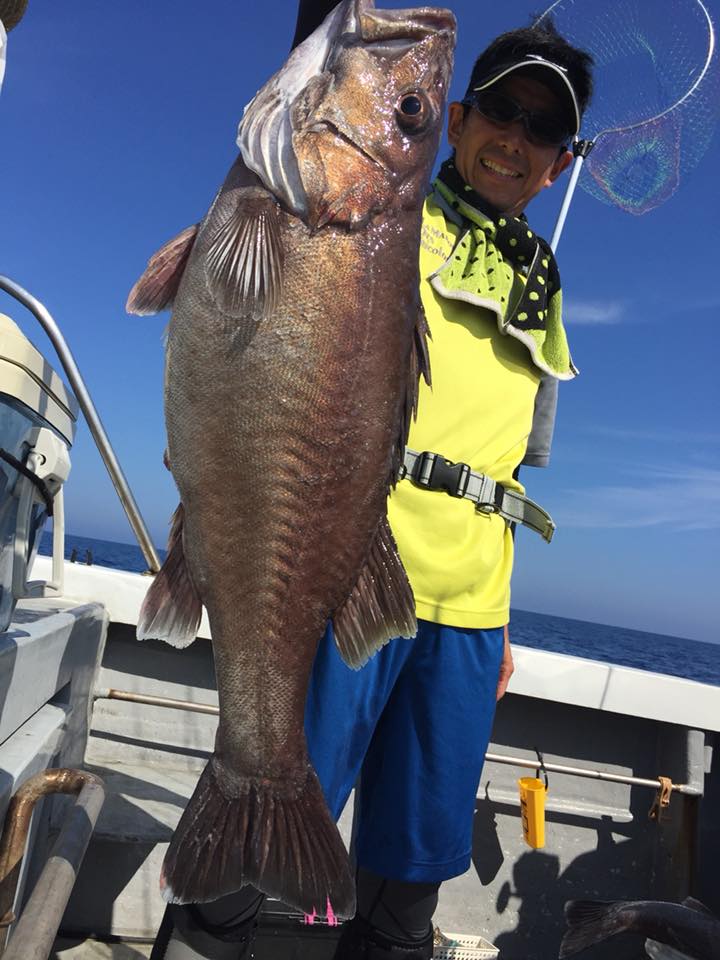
118 124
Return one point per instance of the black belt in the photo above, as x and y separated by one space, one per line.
433 472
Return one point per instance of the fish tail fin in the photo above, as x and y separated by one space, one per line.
590 921
282 840
172 607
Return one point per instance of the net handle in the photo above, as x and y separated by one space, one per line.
567 200
581 149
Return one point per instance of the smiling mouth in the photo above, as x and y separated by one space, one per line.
499 170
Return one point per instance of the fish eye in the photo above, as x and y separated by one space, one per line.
412 112
411 105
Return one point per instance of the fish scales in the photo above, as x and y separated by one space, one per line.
316 451
293 353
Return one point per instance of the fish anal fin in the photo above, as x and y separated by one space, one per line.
156 288
277 836
244 259
380 606
172 607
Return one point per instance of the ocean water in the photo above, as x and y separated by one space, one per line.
595 641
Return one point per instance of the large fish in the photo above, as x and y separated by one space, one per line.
674 930
293 355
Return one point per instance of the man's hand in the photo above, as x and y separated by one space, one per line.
507 666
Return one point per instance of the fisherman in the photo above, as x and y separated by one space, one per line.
412 727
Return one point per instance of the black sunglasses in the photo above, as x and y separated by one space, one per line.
541 128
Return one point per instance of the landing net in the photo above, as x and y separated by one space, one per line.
657 93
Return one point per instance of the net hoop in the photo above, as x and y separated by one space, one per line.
688 93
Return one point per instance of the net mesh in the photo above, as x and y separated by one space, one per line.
657 94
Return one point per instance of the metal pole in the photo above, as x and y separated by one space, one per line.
562 216
110 693
685 788
91 415
35 931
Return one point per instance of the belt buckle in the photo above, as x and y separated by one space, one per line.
443 474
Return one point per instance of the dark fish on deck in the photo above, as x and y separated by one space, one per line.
293 355
673 929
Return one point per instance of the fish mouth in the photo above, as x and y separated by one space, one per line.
391 32
323 125
265 134
409 25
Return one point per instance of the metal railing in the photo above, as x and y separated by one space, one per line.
97 430
36 928
110 693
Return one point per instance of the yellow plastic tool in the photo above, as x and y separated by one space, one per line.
532 810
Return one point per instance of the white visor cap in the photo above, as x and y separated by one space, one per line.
559 84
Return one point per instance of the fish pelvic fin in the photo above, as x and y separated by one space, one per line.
589 922
381 605
244 261
172 607
276 835
661 951
156 288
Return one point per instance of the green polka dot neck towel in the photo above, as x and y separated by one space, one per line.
499 263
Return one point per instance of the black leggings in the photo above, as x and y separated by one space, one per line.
398 909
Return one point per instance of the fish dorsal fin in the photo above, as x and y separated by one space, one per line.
243 265
381 605
419 367
692 904
156 288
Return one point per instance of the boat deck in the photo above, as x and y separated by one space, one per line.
599 840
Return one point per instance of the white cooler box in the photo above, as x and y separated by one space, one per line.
38 416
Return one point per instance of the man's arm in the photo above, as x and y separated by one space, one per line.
311 14
537 455
541 434
507 667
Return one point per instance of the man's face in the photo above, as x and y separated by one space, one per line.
498 160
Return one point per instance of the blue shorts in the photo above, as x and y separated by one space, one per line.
414 726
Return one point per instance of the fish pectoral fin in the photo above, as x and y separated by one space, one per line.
381 605
244 261
172 607
156 288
